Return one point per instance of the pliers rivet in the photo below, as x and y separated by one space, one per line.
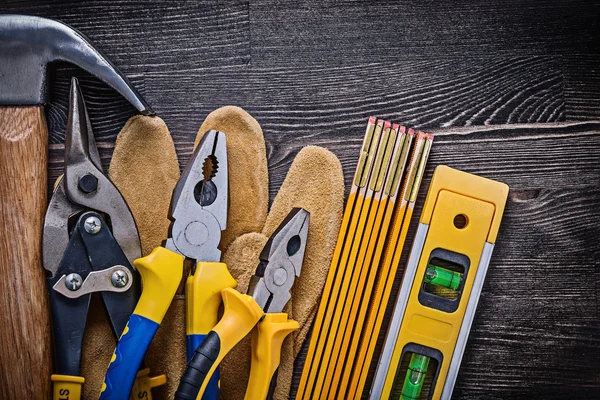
92 225
73 282
88 183
119 279
280 277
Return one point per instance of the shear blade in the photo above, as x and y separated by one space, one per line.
82 164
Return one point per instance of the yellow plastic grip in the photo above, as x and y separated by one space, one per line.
142 388
161 273
203 296
67 387
267 339
241 313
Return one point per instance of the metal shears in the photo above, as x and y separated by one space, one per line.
89 243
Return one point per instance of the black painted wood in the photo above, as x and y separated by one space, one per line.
311 72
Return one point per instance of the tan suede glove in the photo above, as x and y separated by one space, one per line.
145 168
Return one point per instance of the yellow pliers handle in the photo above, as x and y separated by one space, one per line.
202 302
66 387
240 315
161 273
142 388
203 296
267 339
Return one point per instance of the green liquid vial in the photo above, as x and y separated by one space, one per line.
415 376
443 277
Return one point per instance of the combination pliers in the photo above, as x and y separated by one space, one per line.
89 243
198 213
268 292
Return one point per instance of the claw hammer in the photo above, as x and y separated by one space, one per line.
27 45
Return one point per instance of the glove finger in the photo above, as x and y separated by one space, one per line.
241 258
144 168
314 182
247 164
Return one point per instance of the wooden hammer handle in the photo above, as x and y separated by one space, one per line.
25 336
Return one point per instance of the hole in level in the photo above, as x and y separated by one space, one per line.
460 221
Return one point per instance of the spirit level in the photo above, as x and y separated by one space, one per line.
442 283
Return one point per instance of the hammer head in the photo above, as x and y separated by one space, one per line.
28 44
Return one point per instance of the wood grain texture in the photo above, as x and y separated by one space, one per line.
25 337
350 31
311 72
581 82
141 36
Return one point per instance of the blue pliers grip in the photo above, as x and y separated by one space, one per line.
127 358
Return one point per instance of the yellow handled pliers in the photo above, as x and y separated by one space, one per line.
269 291
198 214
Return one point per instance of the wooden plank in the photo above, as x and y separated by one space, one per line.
582 84
523 156
155 36
342 32
300 100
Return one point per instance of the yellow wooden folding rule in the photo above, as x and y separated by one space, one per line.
387 166
368 259
354 377
371 212
348 230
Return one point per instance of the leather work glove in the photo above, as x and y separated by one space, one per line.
145 168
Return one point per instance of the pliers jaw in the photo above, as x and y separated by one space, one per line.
200 200
280 262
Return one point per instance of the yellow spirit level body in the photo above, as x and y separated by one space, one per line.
425 322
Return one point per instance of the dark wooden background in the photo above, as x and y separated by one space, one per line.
512 88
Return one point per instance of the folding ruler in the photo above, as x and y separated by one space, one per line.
441 286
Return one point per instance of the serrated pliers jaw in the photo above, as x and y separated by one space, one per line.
200 200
